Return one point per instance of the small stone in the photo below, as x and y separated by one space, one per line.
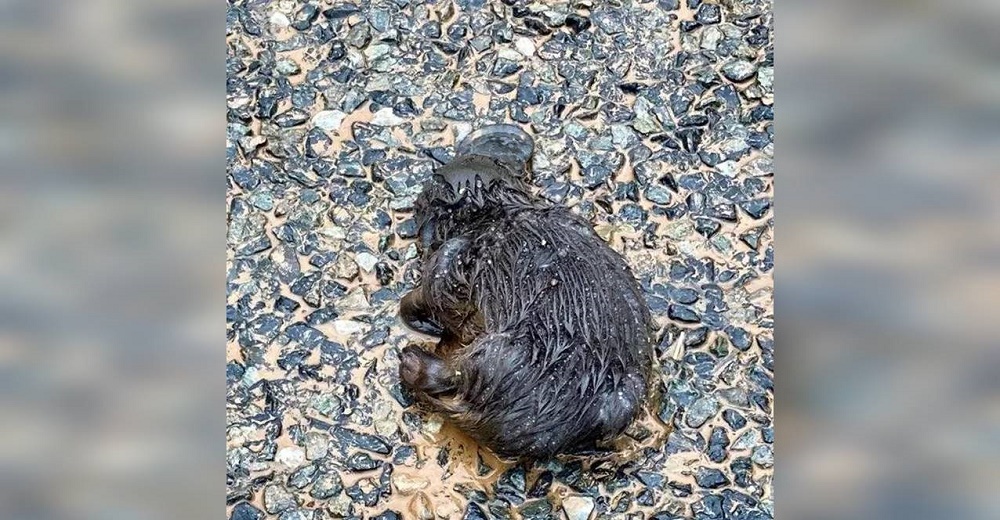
297 514
291 456
765 76
361 461
349 327
356 300
711 37
746 441
432 425
706 227
326 486
682 313
609 20
739 337
525 46
735 396
734 419
359 36
386 427
277 499
285 305
505 67
701 411
379 18
726 212
511 485
386 117
718 441
708 14
658 194
710 506
328 120
337 51
577 23
305 17
302 477
577 507
763 456
710 478
693 120
756 208
536 510
681 490
474 512
345 268
421 507
739 70
245 511
317 445
407 228
279 20
367 442
291 117
287 67
366 261
408 484
651 479
683 295
340 506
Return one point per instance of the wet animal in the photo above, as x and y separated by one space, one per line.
545 337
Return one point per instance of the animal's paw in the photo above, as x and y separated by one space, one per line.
410 367
424 372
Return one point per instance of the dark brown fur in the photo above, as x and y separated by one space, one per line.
545 334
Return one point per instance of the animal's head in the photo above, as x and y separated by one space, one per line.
493 154
486 178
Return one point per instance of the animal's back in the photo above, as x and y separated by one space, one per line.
563 357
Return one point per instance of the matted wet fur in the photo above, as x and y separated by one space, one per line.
545 335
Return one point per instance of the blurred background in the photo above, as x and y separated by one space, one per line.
887 201
112 338
113 248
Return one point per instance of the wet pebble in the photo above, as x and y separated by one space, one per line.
326 486
278 499
683 313
245 511
708 14
701 411
363 441
710 478
474 511
739 70
734 419
717 444
763 456
577 507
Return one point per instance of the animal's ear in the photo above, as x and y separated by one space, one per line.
505 143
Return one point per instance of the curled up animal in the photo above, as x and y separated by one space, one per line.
545 337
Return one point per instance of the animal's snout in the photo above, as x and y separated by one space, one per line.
507 143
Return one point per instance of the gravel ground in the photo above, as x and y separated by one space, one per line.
653 119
